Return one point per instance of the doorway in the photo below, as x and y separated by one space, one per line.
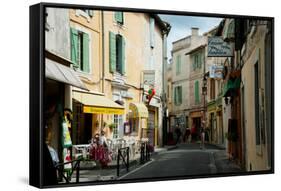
197 123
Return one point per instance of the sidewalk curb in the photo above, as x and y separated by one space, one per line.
114 166
164 150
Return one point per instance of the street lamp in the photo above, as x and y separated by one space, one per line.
204 92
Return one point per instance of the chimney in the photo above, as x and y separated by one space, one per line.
194 31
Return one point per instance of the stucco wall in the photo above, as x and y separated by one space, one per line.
57 36
256 156
91 26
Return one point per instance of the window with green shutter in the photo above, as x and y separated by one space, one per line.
175 95
178 95
85 66
196 92
112 52
80 50
119 17
123 47
117 48
74 46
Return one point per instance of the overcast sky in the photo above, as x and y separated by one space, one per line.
181 26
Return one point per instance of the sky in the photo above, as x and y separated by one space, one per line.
181 27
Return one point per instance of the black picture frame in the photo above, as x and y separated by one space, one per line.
37 158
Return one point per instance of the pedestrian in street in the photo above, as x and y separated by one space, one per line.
178 133
193 132
202 135
186 135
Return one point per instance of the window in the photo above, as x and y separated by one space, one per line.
257 119
80 50
178 65
118 121
116 53
178 95
197 61
196 92
119 17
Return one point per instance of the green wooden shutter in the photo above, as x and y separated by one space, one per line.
74 46
180 94
175 95
86 55
112 52
196 87
200 58
123 55
119 17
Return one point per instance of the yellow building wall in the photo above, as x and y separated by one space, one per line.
133 32
256 158
92 26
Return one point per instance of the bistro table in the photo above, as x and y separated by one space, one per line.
81 150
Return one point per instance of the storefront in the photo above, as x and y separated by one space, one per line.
231 94
60 78
212 122
90 113
138 116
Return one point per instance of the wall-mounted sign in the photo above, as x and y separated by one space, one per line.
216 71
217 47
149 77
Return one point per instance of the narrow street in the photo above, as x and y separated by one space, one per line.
186 159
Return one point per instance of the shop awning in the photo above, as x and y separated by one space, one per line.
64 74
230 86
138 110
96 103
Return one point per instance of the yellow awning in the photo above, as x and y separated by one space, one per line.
139 110
95 103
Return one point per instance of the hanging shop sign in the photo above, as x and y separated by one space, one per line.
149 78
216 71
217 47
103 110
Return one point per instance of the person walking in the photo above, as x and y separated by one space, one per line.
202 135
193 132
186 135
178 134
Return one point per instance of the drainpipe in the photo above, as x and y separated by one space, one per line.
103 52
103 62
164 105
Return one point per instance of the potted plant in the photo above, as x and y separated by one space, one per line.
111 126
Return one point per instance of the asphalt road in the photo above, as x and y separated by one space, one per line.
186 160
